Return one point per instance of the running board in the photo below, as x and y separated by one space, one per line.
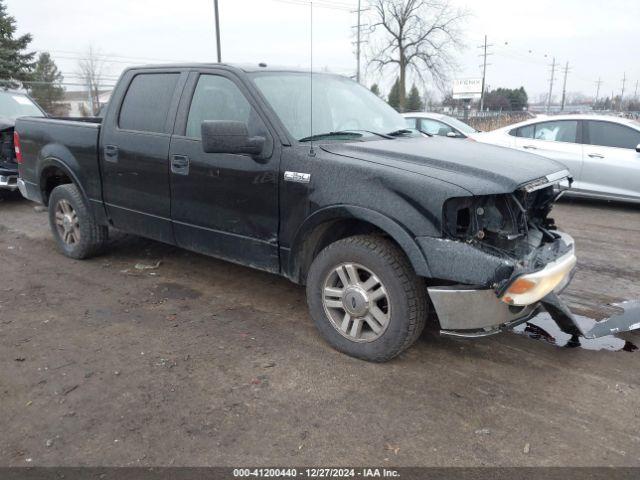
626 321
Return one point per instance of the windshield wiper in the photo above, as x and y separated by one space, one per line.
319 136
383 135
397 133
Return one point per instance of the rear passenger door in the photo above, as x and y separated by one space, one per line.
135 153
611 163
225 205
556 139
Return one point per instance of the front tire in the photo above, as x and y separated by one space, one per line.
74 229
365 298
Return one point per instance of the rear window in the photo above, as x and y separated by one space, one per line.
147 102
607 134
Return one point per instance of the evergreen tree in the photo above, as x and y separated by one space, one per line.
395 95
15 63
375 89
47 90
414 102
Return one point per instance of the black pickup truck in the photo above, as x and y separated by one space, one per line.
381 224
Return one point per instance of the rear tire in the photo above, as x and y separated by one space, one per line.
365 298
74 229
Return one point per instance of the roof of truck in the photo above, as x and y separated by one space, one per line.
246 67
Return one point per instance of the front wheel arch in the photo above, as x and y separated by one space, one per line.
308 240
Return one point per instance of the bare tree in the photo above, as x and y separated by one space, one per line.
92 72
418 36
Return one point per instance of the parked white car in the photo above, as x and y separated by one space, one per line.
438 124
602 152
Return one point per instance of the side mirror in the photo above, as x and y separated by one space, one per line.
638 148
221 136
452 134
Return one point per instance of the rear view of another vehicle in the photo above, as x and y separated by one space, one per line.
12 106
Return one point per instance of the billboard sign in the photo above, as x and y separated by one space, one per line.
467 88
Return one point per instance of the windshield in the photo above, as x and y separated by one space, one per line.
463 127
14 105
339 105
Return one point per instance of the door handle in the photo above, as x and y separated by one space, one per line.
530 147
596 155
111 153
180 164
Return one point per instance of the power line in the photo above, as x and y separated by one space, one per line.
320 4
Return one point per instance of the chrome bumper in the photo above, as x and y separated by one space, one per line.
467 308
470 311
8 182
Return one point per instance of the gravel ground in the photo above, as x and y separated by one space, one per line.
200 362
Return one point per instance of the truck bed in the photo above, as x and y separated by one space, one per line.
72 140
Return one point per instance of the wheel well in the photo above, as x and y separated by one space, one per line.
50 178
325 234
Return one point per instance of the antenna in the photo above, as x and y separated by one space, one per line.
312 152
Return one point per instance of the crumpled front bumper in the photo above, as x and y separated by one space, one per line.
471 311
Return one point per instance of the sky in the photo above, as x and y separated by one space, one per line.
598 39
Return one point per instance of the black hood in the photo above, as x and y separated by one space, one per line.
477 167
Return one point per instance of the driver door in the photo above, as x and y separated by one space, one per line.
225 205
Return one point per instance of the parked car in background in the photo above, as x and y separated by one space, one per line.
12 105
602 152
438 124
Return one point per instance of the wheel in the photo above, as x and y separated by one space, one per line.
365 299
74 229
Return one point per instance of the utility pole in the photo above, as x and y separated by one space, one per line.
217 15
564 86
635 94
598 84
484 70
624 82
553 72
359 40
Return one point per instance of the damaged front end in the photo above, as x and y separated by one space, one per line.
8 165
508 257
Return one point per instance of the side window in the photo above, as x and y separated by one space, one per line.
607 134
411 122
218 98
526 131
559 131
434 127
147 102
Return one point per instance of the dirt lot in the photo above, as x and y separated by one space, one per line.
200 362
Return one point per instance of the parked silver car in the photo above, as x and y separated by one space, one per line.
602 152
438 124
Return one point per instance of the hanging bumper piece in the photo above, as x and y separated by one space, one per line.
626 321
